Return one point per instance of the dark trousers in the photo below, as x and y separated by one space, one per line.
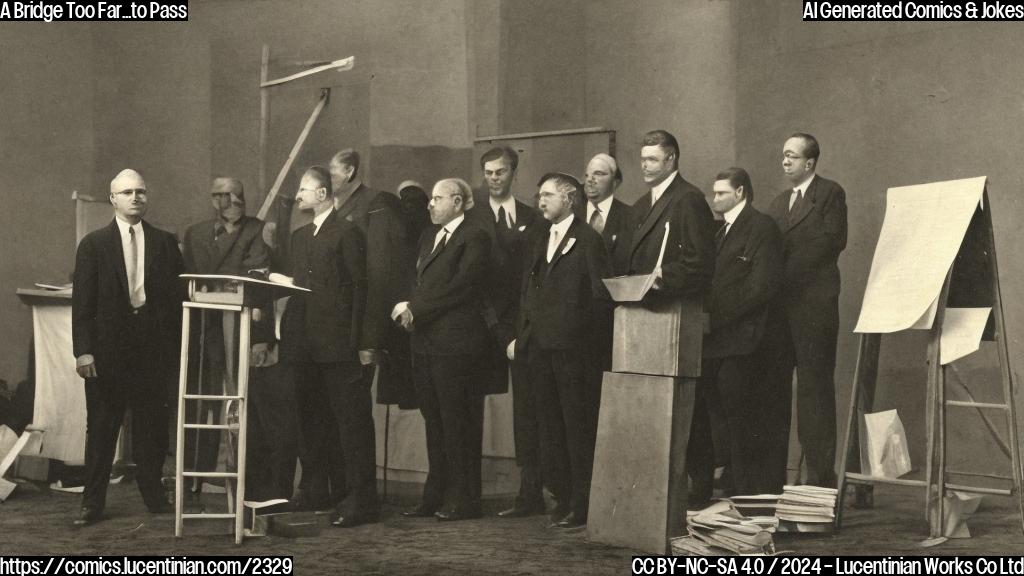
273 433
338 435
137 384
813 329
730 391
447 388
775 360
565 391
526 428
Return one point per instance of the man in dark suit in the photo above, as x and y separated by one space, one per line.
510 223
690 253
389 274
748 273
231 243
605 213
320 336
812 217
566 309
126 322
451 352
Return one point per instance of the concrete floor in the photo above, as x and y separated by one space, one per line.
37 521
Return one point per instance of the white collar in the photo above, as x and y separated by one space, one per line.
734 212
509 204
660 188
451 226
124 226
604 206
319 219
562 228
803 186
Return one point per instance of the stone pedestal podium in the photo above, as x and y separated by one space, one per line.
638 493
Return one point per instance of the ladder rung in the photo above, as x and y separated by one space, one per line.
208 516
189 474
211 397
212 427
987 405
979 475
977 490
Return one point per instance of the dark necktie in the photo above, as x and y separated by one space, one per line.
597 220
720 236
503 217
438 246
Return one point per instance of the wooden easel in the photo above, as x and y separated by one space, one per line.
865 375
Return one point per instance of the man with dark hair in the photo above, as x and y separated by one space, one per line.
688 263
125 325
566 309
510 223
812 217
450 351
748 273
389 265
320 336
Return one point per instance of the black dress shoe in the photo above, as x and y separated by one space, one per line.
87 517
571 521
304 503
521 511
420 511
354 519
162 507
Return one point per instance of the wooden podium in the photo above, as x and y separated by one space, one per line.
235 294
638 493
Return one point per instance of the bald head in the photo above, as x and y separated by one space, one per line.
125 180
228 198
128 196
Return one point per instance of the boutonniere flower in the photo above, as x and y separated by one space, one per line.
569 245
523 227
614 237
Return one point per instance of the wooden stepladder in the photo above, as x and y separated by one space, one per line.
239 295
956 264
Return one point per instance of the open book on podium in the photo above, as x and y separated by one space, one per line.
238 290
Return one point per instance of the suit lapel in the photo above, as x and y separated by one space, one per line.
116 252
570 233
152 247
654 213
738 229
805 206
223 248
351 203
433 254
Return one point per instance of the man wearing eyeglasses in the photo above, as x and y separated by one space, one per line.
320 338
812 217
450 351
126 323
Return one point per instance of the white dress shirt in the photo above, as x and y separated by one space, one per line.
658 190
604 205
558 232
137 292
510 209
319 219
732 214
800 189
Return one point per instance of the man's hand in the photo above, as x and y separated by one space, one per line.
367 357
259 354
659 280
85 365
511 350
406 320
398 309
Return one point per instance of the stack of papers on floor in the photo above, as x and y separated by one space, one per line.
720 529
806 509
757 505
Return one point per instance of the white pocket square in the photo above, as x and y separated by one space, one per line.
523 227
569 245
